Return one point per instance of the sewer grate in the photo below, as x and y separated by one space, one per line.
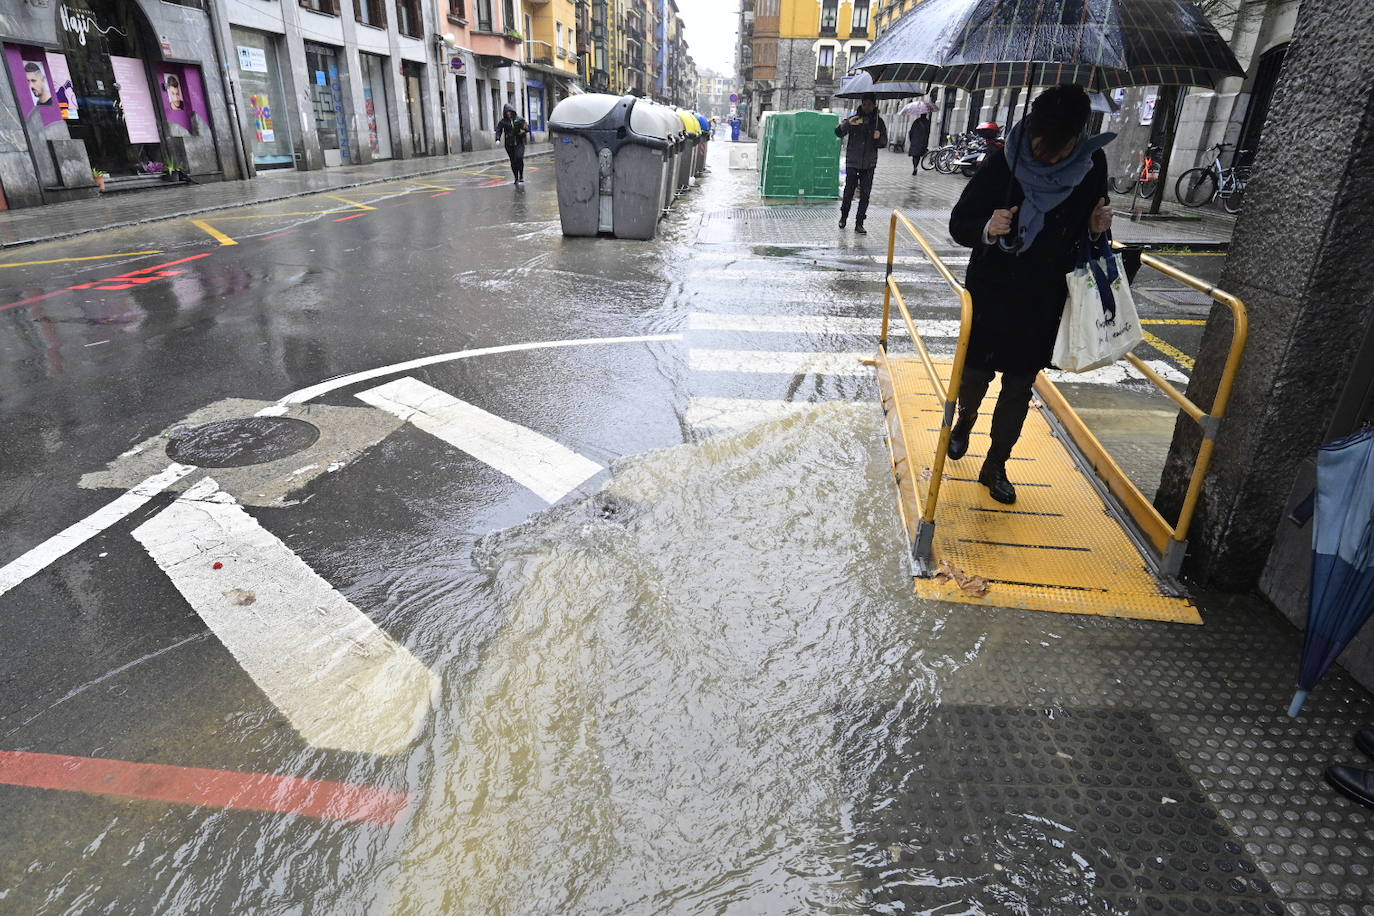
241 442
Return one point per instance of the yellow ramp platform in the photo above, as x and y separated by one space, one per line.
1058 548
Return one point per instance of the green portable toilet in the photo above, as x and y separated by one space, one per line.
800 155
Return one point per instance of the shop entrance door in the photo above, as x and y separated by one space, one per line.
322 65
374 97
413 75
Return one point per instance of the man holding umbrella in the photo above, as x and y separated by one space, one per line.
867 134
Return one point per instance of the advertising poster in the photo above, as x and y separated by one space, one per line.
33 86
261 107
62 86
182 96
371 110
140 118
1147 110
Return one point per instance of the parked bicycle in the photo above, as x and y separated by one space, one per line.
1205 184
1143 179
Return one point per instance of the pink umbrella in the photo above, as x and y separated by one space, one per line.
920 107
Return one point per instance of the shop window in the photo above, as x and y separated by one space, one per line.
370 12
328 7
484 15
408 21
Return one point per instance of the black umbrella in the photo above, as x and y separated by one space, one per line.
861 84
1097 44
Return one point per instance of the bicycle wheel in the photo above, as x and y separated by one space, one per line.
1122 185
944 163
928 160
1146 189
1196 187
1234 198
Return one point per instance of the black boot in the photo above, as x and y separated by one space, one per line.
1353 783
959 435
994 477
859 229
844 220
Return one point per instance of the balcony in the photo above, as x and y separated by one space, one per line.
828 31
539 52
563 54
825 74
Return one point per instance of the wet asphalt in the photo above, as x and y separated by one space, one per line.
100 656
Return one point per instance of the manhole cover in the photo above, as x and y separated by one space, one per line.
238 443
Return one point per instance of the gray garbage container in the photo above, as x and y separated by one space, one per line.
608 165
671 127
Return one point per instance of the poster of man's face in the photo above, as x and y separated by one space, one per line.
38 83
175 100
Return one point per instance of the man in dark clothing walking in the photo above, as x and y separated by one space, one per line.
513 129
867 134
918 141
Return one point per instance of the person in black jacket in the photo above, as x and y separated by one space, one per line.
918 141
513 129
1025 214
867 134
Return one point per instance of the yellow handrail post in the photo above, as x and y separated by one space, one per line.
887 284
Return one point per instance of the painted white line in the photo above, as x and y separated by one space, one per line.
548 468
338 679
343 381
62 543
816 324
728 414
781 363
816 275
1115 374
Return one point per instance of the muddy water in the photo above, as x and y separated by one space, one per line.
676 714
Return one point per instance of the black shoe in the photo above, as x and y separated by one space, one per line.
1353 783
994 477
859 229
844 221
1364 740
959 436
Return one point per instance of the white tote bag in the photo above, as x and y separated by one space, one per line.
1100 324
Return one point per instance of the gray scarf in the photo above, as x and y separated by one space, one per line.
1045 186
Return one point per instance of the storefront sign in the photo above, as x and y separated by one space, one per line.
81 23
137 101
252 60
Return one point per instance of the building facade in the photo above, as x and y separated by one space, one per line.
792 54
713 94
551 58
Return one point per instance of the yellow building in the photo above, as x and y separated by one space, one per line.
549 28
794 52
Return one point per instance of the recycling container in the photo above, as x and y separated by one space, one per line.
670 125
799 155
687 154
609 165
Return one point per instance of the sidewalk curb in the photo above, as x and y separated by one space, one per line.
196 211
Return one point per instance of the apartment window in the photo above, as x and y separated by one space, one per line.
370 12
484 15
458 9
822 102
860 23
508 12
408 18
558 35
328 7
481 106
827 58
856 54
830 17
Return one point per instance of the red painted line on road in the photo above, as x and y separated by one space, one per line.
354 216
337 801
134 273
441 194
31 300
277 235
493 184
405 203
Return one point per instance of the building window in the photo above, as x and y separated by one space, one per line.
328 7
860 23
822 102
508 11
458 9
856 54
558 35
408 20
825 63
484 15
830 16
370 12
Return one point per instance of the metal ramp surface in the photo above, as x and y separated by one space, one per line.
1059 548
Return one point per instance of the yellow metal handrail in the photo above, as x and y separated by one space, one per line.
923 545
1169 540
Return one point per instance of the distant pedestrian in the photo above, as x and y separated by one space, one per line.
734 130
867 133
513 129
1025 232
918 141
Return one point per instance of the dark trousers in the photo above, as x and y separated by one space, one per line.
1013 403
517 161
863 180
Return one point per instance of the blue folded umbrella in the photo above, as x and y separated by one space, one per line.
1342 593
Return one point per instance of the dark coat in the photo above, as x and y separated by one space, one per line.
918 137
514 130
861 150
1018 299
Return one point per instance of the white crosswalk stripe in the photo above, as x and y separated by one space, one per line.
779 363
548 468
732 414
816 324
338 679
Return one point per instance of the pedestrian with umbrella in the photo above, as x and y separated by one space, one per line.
867 133
918 134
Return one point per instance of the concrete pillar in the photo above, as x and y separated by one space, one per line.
1301 261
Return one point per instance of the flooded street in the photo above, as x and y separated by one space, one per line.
584 592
